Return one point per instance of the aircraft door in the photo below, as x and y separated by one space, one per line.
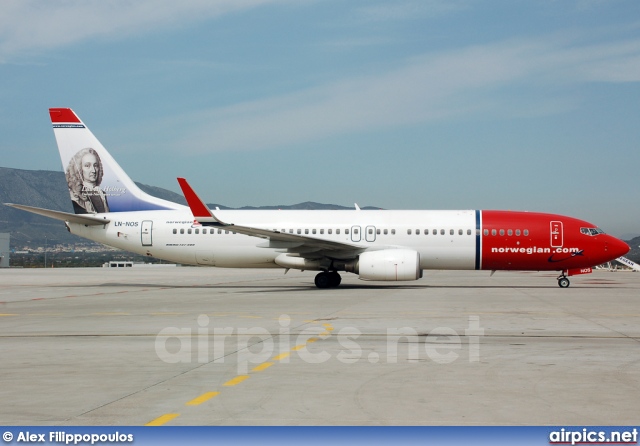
370 233
356 236
556 234
146 232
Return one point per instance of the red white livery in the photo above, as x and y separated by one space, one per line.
380 245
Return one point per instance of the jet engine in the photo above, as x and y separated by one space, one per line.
387 264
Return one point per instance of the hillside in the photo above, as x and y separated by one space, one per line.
634 254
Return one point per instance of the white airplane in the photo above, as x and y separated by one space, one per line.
383 245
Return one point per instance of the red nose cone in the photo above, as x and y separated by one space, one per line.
617 247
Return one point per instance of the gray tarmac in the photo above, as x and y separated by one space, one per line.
204 346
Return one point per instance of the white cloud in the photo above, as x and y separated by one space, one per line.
33 25
477 80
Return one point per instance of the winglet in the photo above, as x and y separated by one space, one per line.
199 209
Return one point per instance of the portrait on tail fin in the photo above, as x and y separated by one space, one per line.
84 175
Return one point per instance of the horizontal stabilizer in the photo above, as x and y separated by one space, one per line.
82 219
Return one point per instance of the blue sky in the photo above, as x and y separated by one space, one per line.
402 104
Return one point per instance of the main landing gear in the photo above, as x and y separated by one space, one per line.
563 281
328 279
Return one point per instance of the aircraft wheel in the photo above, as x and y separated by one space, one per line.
334 279
563 282
323 280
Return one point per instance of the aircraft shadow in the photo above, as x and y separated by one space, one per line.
281 288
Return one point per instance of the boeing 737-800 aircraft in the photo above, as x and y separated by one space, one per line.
383 245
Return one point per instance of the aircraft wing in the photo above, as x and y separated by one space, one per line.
83 219
303 245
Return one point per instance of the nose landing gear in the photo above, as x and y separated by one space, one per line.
563 281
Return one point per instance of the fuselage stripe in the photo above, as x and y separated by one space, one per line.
478 239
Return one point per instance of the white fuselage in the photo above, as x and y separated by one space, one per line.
174 236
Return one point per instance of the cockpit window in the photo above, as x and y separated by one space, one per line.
591 231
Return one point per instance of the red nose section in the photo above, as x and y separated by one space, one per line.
617 247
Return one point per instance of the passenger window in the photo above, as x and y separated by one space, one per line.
493 232
329 231
434 232
197 231
393 232
306 231
219 231
321 231
370 231
338 231
526 232
510 232
378 231
188 231
226 232
386 231
346 231
417 231
518 232
313 231
485 232
459 231
299 231
181 231
501 231
355 231
409 231
469 231
441 231
175 231
451 232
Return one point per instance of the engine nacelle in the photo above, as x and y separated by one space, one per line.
387 264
